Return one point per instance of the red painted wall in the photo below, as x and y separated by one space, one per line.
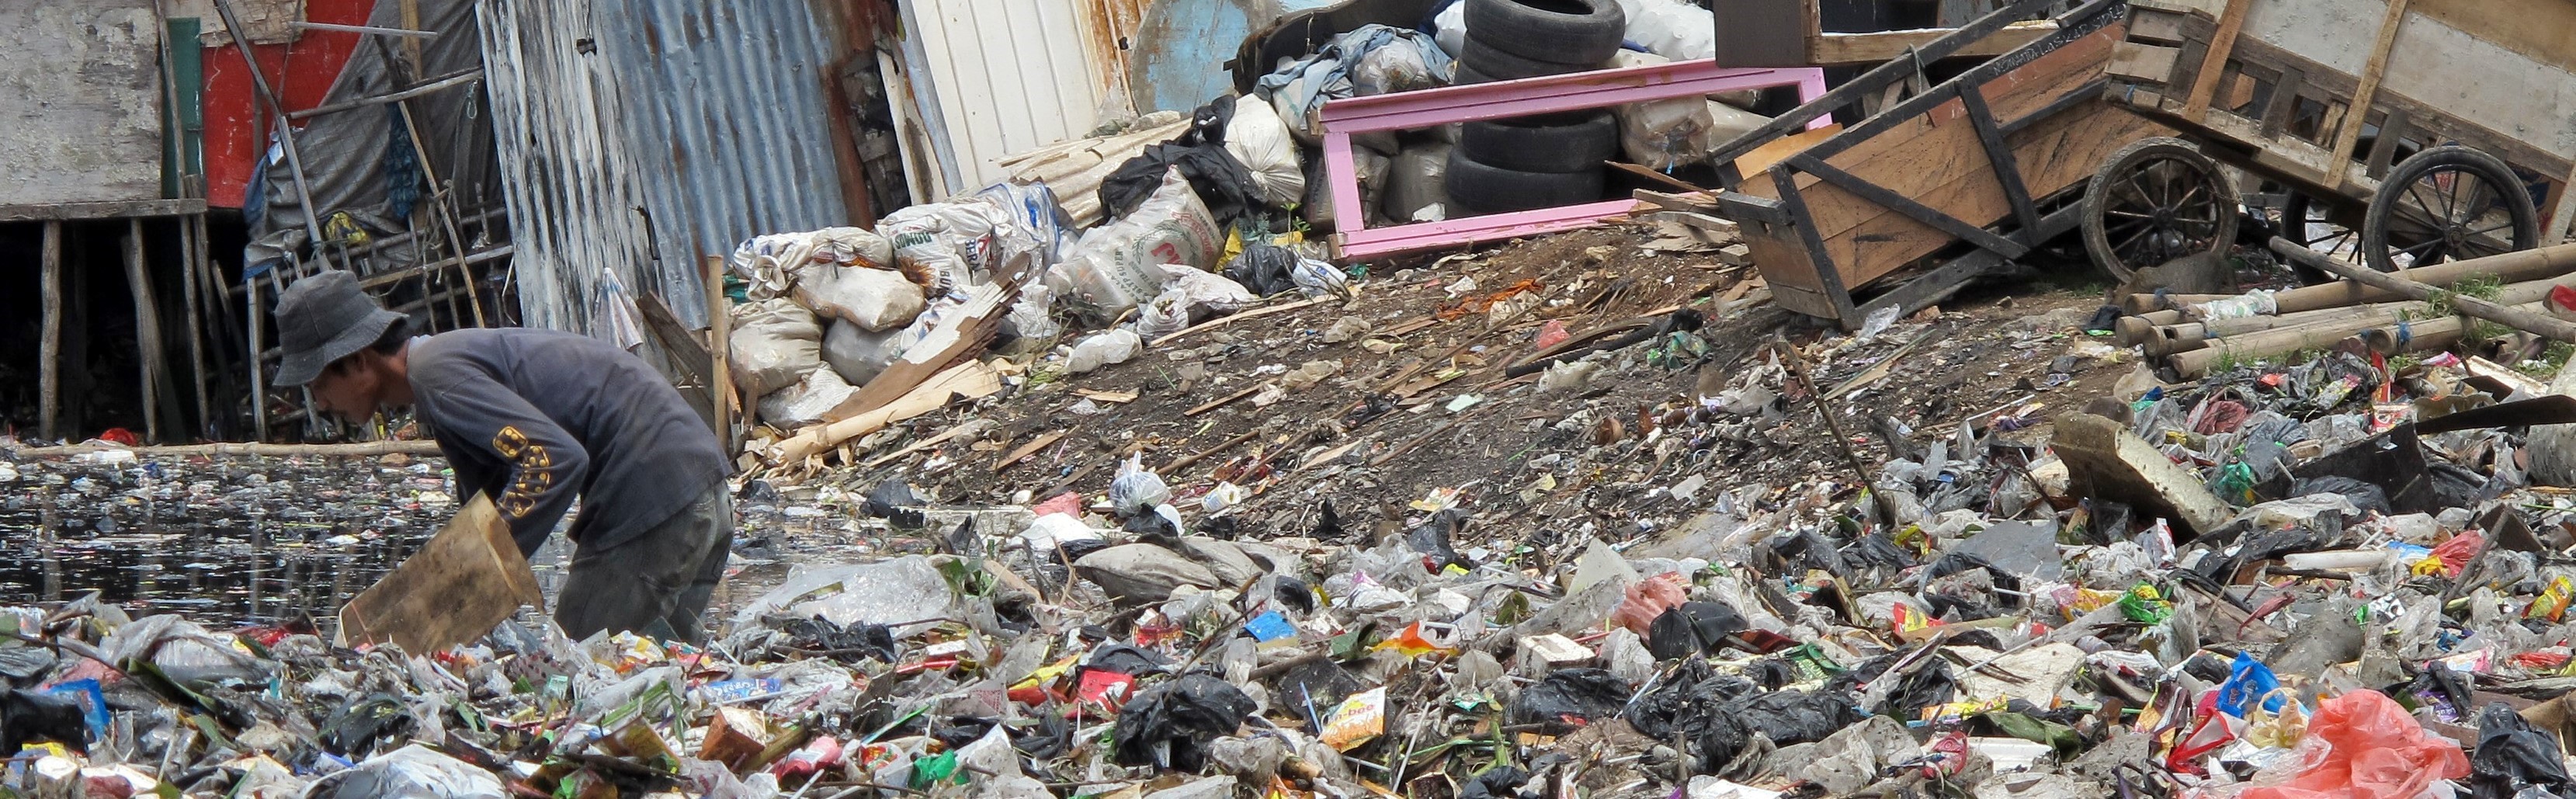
302 71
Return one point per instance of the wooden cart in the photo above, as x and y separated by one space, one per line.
1992 162
2409 133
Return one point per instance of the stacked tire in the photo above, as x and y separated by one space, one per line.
1540 161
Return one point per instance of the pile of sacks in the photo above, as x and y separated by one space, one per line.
827 310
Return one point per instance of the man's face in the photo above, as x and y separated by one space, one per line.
351 387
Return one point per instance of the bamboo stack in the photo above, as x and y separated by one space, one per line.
2316 317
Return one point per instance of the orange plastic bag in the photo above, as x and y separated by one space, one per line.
2362 745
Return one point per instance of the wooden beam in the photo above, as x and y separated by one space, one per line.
362 449
51 384
2359 110
114 210
1829 49
2204 83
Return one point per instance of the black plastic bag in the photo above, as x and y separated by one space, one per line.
851 644
1782 717
2444 690
1925 687
1499 782
1685 702
2512 756
1222 183
354 731
36 717
1264 268
1691 628
1126 659
1566 699
1170 725
1315 687
1433 537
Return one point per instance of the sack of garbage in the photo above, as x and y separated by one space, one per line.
1257 138
1416 180
412 772
1449 29
940 246
805 402
1671 28
775 343
1368 167
772 264
1118 265
1668 134
1030 232
872 298
859 354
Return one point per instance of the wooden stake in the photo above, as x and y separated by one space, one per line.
719 348
51 384
1227 320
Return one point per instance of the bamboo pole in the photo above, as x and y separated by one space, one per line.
359 449
2517 317
2430 334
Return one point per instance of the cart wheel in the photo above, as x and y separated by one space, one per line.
2311 223
2154 201
2448 203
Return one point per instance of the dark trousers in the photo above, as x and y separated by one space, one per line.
656 584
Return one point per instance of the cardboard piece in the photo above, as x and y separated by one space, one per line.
468 578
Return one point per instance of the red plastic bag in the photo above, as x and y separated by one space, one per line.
1650 598
2362 745
2455 553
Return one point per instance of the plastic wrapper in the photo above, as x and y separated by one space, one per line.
1166 314
1103 349
775 344
1210 294
412 772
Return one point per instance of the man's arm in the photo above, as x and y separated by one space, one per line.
545 465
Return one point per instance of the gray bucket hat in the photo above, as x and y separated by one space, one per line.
325 318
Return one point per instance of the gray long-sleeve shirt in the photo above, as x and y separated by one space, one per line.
536 417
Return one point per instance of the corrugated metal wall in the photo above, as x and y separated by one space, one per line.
641 136
1006 76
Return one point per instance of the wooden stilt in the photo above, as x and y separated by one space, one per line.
52 368
258 386
720 390
196 332
147 328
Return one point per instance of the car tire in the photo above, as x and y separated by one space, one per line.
1534 145
1581 33
1501 65
1486 189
